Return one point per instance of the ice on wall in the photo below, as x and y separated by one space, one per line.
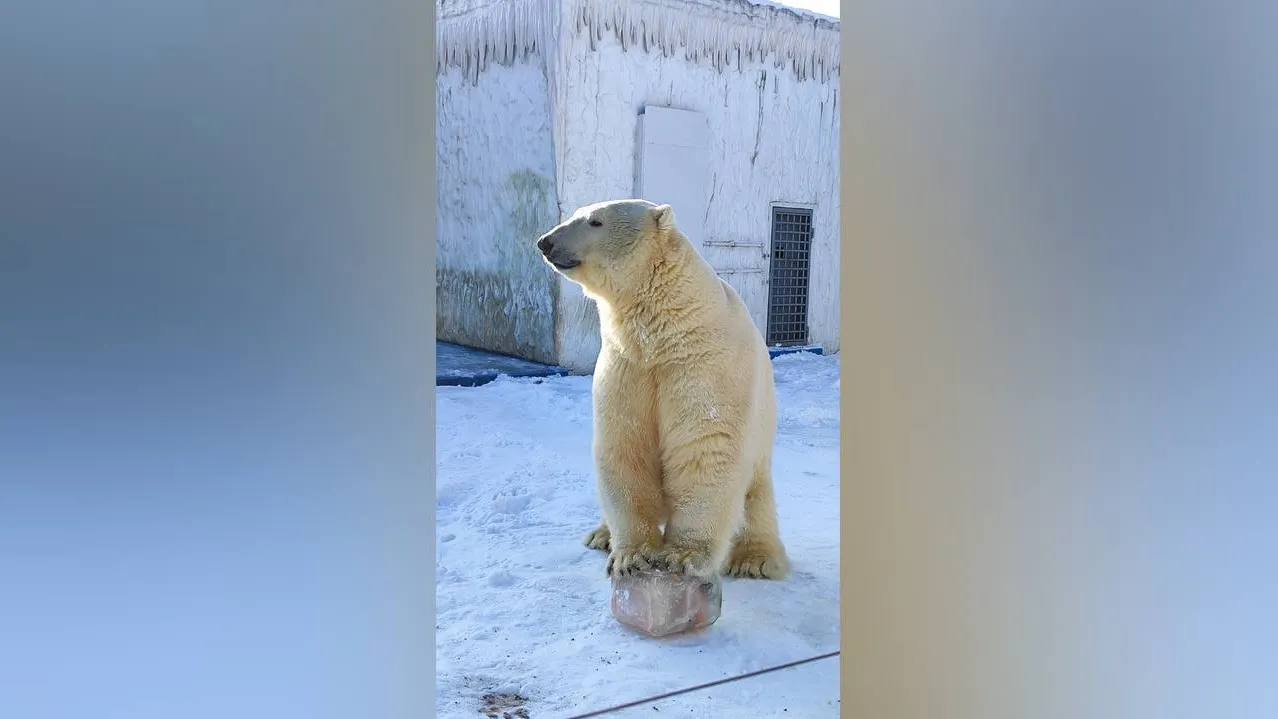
727 34
471 34
724 33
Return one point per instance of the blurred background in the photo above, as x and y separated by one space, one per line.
216 435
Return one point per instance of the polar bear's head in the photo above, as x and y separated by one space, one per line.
608 243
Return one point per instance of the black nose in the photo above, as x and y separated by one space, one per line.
545 245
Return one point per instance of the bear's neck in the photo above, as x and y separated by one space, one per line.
675 301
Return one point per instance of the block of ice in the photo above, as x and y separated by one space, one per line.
660 604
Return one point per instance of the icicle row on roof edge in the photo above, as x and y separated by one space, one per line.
502 31
726 33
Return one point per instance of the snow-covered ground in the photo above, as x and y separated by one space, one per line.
522 604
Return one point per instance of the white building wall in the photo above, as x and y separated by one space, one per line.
773 134
496 181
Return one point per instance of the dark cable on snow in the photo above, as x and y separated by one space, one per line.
667 695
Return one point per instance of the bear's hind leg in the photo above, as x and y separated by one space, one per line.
599 538
758 552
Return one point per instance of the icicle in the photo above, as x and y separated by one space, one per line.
510 41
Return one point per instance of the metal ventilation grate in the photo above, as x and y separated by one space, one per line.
788 277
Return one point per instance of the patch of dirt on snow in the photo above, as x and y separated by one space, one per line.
504 706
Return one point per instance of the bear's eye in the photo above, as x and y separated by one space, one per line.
596 223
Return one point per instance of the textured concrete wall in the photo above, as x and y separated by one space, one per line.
496 195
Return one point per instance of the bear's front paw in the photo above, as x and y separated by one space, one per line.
625 561
691 559
599 538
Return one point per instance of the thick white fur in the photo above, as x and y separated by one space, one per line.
684 401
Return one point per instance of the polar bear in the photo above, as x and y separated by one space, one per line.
684 400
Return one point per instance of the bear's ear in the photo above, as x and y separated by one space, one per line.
664 217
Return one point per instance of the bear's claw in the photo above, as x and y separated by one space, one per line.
627 561
693 561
